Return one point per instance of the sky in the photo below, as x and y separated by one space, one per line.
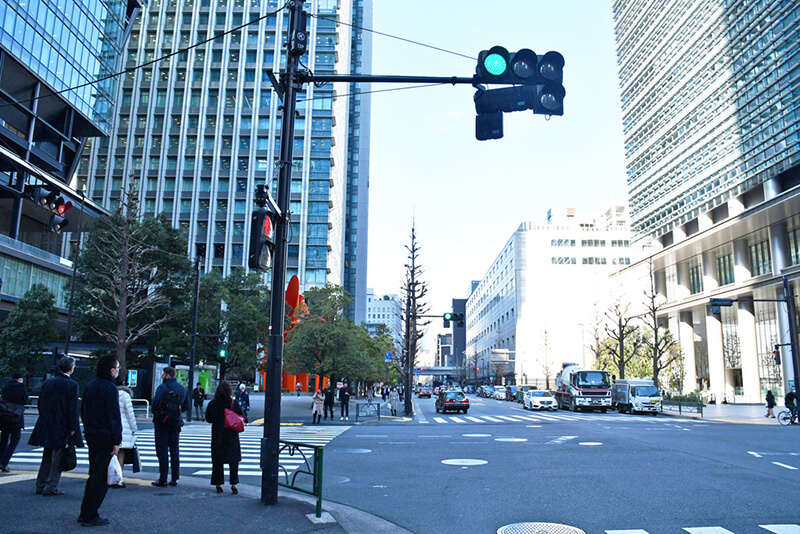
467 197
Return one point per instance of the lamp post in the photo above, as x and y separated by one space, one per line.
74 275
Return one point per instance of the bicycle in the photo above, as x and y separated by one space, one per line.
785 417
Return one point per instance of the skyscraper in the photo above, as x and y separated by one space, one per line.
200 129
55 93
711 140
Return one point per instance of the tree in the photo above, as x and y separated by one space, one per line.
131 276
620 334
637 362
28 331
414 291
663 347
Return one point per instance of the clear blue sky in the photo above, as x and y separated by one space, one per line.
467 197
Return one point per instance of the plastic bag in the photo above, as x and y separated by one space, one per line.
114 472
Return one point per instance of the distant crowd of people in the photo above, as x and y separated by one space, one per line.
323 400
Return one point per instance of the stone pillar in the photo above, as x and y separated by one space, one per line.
749 349
779 248
716 360
683 289
735 206
709 272
772 188
660 278
685 336
741 261
704 221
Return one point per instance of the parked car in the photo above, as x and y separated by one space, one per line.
454 401
499 393
536 399
424 392
522 389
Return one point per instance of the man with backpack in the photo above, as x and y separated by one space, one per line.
170 399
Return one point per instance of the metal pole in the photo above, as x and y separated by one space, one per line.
194 330
74 274
272 396
789 299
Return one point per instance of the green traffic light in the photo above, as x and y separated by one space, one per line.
495 64
448 316
222 354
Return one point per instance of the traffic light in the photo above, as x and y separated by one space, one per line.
447 318
717 304
262 239
776 354
459 319
223 351
57 223
52 201
497 65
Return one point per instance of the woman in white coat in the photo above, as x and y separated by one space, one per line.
394 399
129 427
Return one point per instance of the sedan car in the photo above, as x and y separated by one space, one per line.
499 393
536 399
453 401
424 392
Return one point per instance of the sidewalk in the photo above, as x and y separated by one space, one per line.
734 413
192 507
297 410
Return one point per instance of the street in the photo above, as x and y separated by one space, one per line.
499 465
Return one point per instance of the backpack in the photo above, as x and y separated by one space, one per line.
168 411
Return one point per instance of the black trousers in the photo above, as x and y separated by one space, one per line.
100 448
218 473
167 448
326 408
346 409
9 438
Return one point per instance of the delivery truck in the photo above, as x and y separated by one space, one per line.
636 395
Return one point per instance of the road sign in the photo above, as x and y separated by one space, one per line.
389 356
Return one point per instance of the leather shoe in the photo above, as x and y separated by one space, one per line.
96 522
234 490
159 483
117 486
54 493
4 469
173 482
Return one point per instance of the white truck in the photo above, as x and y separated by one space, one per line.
636 395
583 389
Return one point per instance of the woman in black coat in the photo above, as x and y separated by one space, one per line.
225 447
15 393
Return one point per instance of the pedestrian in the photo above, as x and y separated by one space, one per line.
129 428
198 397
384 393
102 426
344 399
225 447
243 398
790 401
329 401
169 401
14 392
394 399
370 395
770 404
298 387
57 426
316 409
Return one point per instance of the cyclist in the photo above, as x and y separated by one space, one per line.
790 401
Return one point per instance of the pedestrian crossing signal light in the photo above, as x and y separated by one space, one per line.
776 354
262 239
223 351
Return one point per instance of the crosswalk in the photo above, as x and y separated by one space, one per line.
775 529
195 448
550 417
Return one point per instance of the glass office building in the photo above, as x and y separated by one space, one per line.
55 93
709 101
200 129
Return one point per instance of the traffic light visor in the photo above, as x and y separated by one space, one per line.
551 67
496 61
551 97
523 65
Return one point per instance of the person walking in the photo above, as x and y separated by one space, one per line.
298 387
169 401
394 399
384 393
329 401
790 401
129 427
198 397
10 431
225 447
102 427
370 394
57 426
344 399
316 409
243 398
770 404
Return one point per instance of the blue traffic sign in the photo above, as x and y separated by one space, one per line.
389 356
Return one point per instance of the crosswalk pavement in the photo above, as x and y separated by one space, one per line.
540 417
195 448
775 529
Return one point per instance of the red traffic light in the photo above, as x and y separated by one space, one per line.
65 207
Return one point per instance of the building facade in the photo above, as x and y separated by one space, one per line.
444 351
56 93
385 310
198 130
712 150
535 307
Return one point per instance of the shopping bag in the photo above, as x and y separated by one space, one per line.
114 472
69 458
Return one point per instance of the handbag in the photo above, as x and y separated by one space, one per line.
69 458
11 412
233 421
132 458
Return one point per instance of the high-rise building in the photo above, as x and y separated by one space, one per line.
385 310
200 129
56 92
711 140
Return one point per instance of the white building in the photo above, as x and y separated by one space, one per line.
384 309
543 294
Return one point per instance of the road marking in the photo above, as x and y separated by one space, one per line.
754 454
16 478
559 441
473 419
457 420
632 531
785 466
782 529
708 530
492 419
514 419
439 419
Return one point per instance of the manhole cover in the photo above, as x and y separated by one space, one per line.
337 480
538 528
354 451
511 439
464 461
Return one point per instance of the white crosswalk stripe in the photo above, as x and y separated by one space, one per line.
777 529
553 417
195 448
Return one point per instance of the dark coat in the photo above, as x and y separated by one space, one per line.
58 414
344 395
225 446
198 396
171 384
15 392
329 396
770 400
100 409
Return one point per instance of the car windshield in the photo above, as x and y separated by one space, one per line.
454 395
540 394
645 391
592 379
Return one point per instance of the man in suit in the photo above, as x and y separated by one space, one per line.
56 426
167 433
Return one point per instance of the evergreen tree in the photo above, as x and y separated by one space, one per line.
28 332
